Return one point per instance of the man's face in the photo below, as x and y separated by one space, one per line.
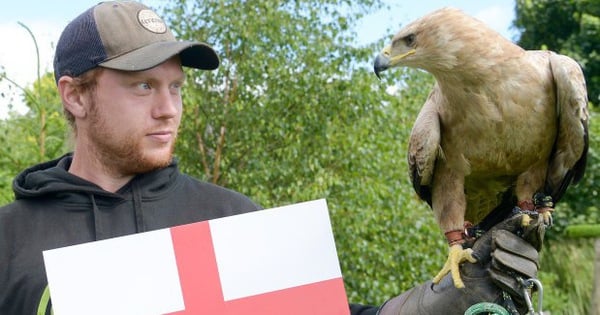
134 118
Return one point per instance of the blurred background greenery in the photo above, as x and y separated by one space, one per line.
295 113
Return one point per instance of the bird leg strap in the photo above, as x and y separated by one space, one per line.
455 237
462 236
526 205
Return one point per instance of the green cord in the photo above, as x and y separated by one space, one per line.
486 308
44 301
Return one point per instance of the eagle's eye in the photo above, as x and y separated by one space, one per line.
409 40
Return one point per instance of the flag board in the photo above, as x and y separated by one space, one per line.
276 261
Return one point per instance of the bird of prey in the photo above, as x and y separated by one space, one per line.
500 125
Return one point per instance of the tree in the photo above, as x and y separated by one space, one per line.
34 137
37 136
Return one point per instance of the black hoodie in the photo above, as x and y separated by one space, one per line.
54 208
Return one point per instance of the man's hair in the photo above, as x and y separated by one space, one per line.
84 83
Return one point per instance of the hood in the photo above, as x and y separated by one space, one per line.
52 180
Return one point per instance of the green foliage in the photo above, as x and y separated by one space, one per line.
34 137
377 219
583 230
567 274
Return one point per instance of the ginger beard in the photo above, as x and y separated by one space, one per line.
123 154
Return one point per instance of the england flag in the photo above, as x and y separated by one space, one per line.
270 262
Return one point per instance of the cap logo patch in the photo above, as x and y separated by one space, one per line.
151 21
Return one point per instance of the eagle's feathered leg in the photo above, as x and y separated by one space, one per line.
449 205
530 199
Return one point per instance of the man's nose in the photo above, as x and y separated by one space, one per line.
167 105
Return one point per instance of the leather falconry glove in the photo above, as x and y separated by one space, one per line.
506 252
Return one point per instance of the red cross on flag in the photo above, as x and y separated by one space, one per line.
276 261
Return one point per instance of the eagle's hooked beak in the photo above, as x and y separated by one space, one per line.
385 61
382 61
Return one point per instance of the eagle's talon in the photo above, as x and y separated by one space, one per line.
456 256
547 216
526 220
544 206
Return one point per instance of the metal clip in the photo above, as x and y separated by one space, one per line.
527 285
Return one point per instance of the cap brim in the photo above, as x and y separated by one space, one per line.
193 54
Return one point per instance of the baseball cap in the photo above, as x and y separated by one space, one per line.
124 35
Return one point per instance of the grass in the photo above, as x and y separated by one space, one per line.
567 275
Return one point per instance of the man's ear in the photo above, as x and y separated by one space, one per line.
72 98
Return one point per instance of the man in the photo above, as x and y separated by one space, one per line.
119 73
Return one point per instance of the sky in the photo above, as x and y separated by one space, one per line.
46 19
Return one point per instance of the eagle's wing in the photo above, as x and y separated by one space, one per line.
567 163
424 146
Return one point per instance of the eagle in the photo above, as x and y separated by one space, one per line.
501 125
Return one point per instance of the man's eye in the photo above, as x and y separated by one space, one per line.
176 88
144 86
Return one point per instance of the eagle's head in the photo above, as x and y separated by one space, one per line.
444 40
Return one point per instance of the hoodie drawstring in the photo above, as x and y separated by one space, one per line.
138 213
96 217
137 206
